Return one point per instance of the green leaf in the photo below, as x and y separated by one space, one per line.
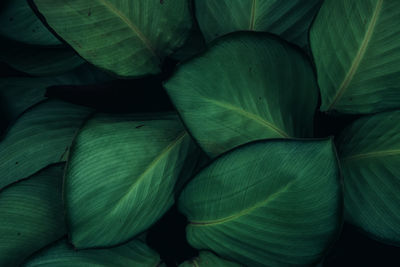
121 175
355 45
267 203
19 23
20 93
31 215
41 136
206 259
193 45
247 86
129 38
39 60
288 19
370 157
61 254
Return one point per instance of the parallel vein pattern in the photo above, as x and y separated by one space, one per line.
267 203
356 55
370 156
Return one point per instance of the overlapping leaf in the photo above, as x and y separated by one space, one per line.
19 23
31 215
20 93
247 86
356 49
129 38
267 203
121 176
370 156
206 259
41 136
134 253
289 19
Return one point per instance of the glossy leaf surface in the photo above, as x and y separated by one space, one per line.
41 136
267 203
288 19
31 215
121 176
370 156
247 86
61 254
129 38
356 49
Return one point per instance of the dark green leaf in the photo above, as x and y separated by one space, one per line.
129 38
121 175
356 49
41 136
289 19
267 203
206 259
31 215
247 86
370 155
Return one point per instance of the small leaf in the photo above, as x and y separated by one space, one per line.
61 254
289 19
357 56
267 203
369 150
121 176
206 259
31 215
129 38
41 136
247 86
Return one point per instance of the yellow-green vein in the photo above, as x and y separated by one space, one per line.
132 26
374 154
252 15
359 56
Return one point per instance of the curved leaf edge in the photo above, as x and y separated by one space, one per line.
340 219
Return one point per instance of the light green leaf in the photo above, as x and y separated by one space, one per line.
288 19
19 23
41 136
356 49
19 93
267 203
39 60
61 254
206 259
247 86
31 215
129 38
369 150
121 175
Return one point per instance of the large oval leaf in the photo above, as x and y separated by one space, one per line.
370 155
129 38
357 56
19 22
61 254
41 136
206 259
267 203
289 19
31 215
247 86
121 175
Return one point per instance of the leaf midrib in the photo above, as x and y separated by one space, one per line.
246 211
252 15
152 164
359 56
249 115
132 26
374 154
